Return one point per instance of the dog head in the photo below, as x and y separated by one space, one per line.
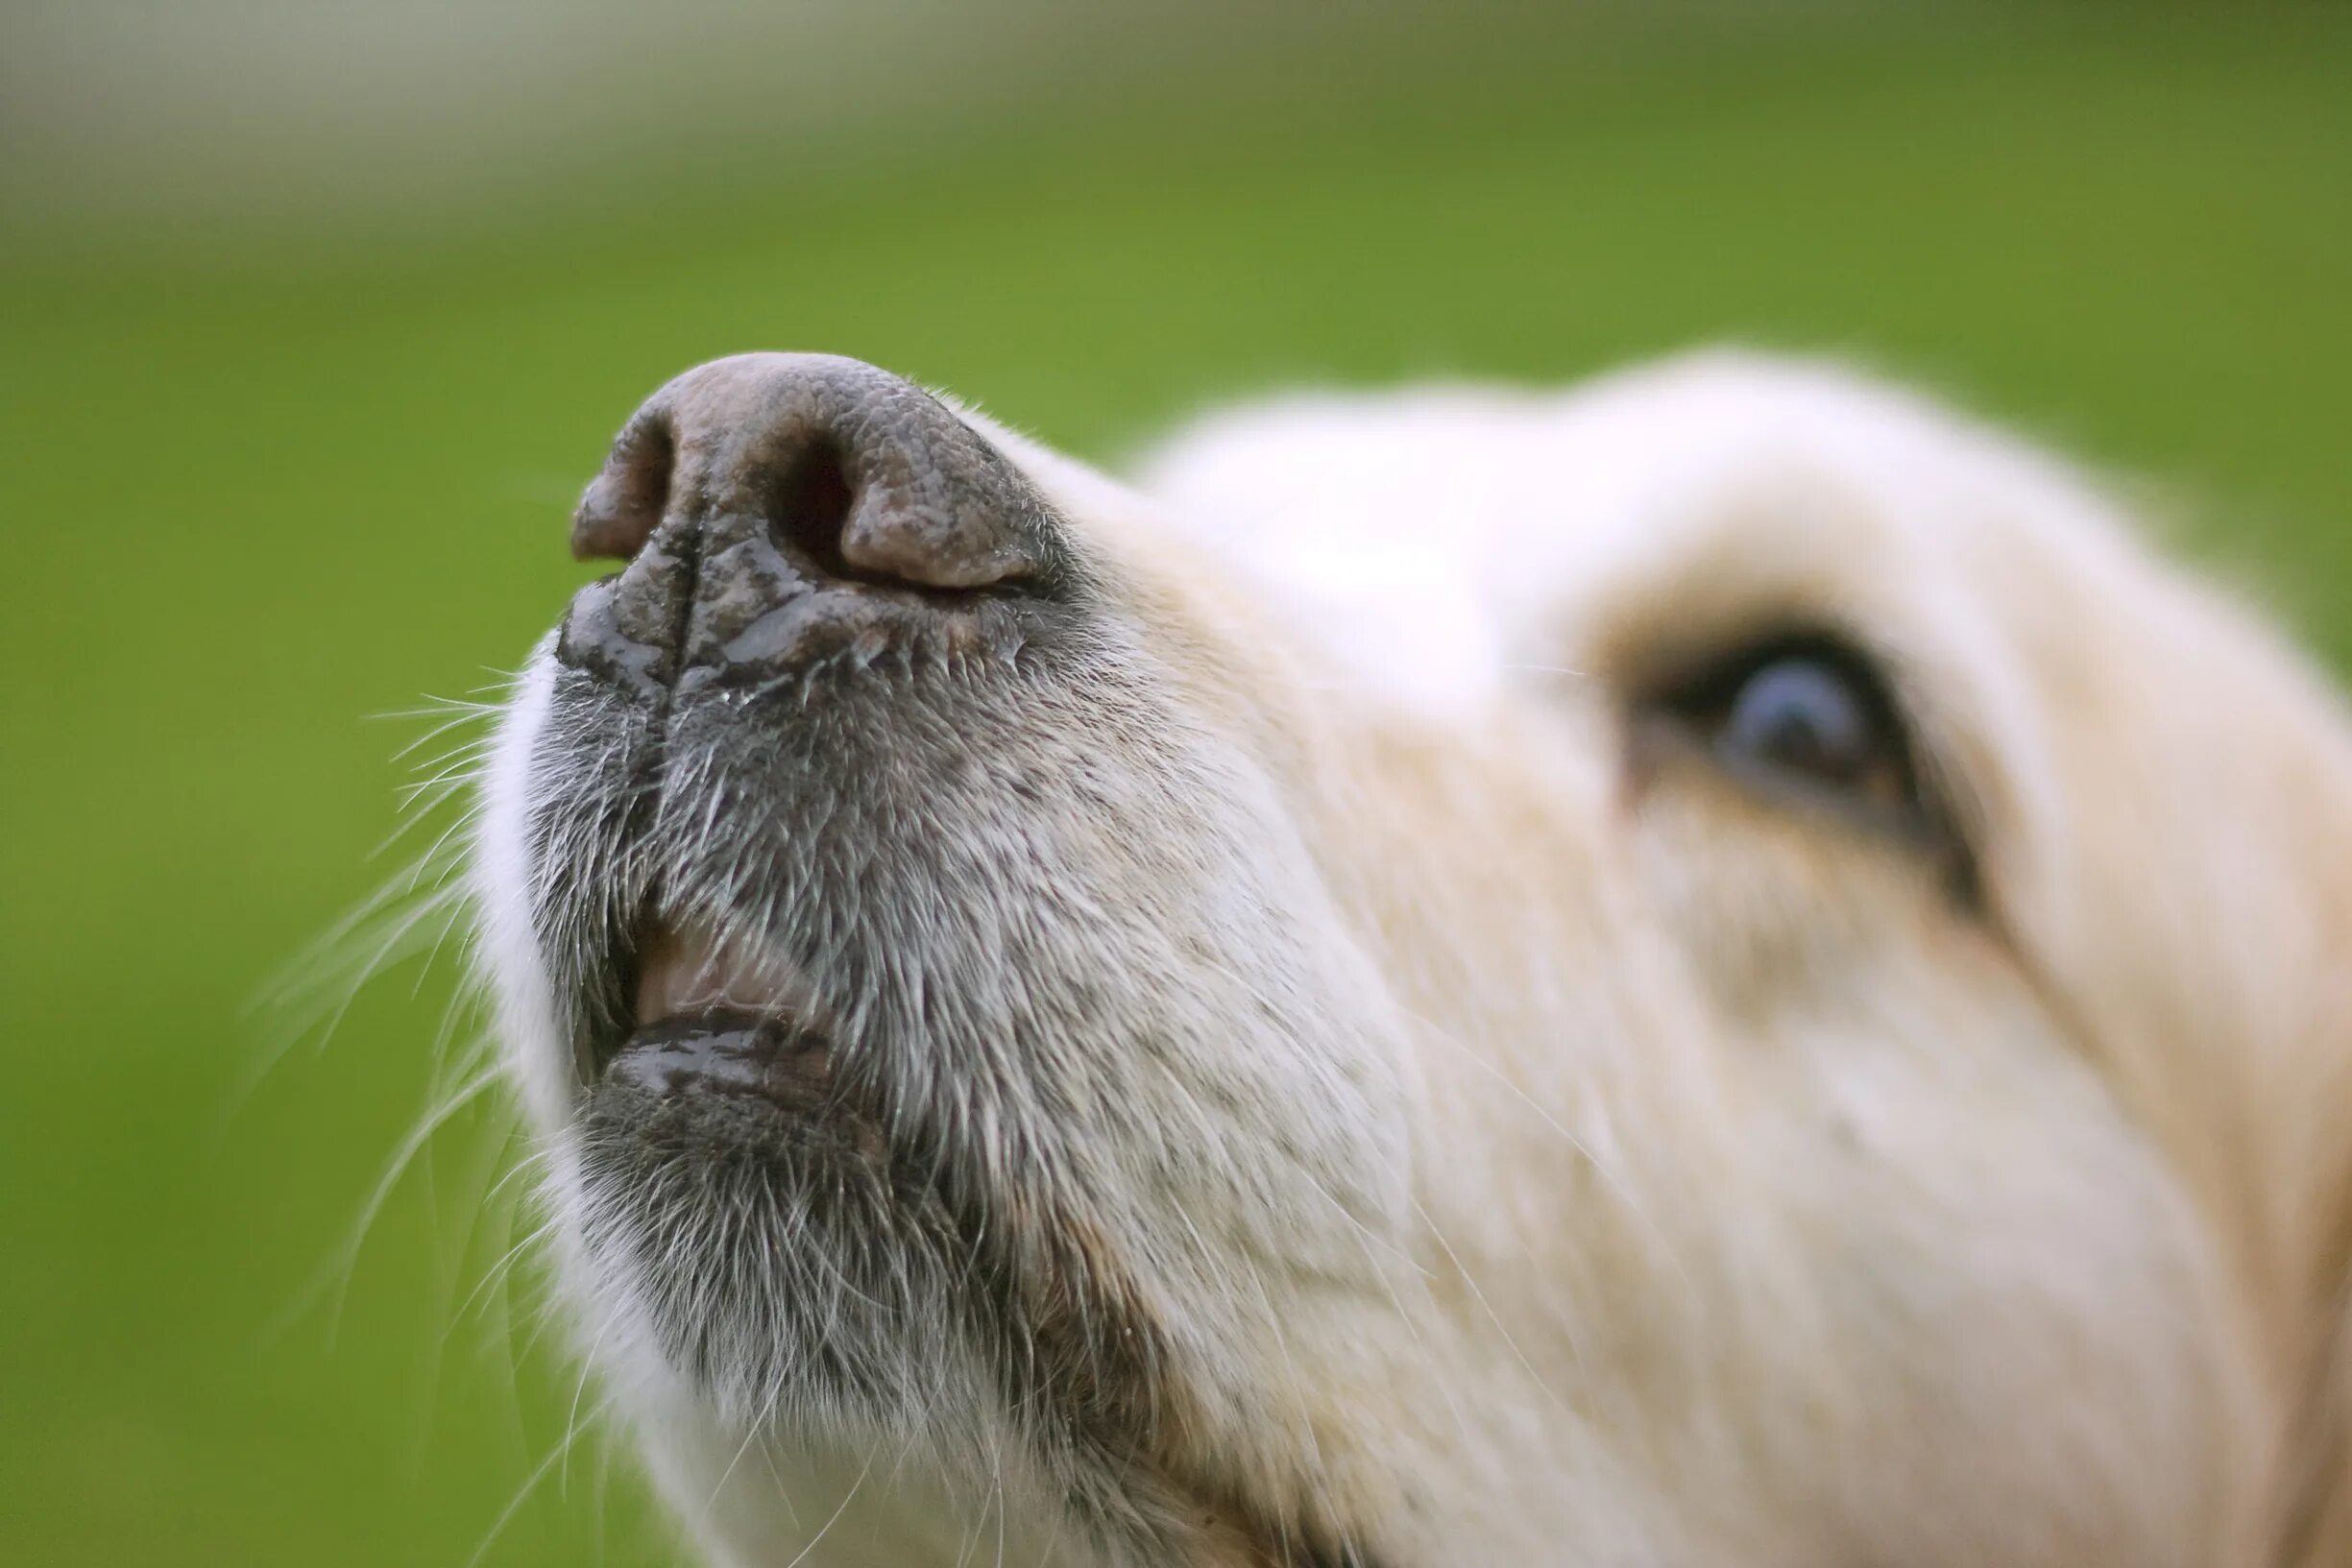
1713 969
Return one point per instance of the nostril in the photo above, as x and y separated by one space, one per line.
625 501
808 510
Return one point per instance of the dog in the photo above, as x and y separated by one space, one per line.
1714 968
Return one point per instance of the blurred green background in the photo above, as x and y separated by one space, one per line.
315 318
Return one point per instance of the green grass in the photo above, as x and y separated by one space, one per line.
252 500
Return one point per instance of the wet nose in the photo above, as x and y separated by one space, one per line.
761 499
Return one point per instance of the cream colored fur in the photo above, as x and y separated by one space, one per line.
1666 1178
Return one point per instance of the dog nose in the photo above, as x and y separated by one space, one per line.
868 476
761 498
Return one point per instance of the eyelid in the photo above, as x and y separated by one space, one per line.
1701 685
1672 718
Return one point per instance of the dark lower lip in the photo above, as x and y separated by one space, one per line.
728 1052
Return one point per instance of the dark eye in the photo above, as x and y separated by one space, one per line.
1802 718
1808 721
1807 715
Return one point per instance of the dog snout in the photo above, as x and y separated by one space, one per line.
768 504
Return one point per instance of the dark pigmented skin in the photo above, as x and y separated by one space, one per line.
933 505
729 1053
774 508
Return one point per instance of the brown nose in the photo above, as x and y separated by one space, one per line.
859 474
776 508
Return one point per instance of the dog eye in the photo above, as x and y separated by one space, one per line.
1807 722
1805 718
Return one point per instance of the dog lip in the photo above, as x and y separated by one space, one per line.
706 1012
721 1052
